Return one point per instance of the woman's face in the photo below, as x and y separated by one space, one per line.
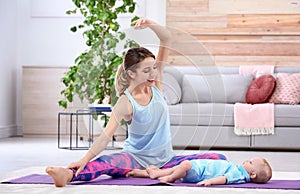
146 72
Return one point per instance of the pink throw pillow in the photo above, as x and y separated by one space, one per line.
261 89
287 89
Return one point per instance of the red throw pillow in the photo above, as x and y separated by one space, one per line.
261 89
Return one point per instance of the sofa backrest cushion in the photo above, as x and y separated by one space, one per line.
171 89
218 88
178 72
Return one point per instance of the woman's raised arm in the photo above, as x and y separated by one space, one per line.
165 38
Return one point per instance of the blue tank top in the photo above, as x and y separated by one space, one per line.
149 136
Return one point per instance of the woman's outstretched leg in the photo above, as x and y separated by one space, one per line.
116 165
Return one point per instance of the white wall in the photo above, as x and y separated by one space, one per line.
44 30
37 33
8 26
45 36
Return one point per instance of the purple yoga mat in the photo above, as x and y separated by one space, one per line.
107 180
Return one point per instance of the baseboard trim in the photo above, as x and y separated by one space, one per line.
9 131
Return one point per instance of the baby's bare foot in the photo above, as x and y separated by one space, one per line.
137 173
60 175
153 172
166 179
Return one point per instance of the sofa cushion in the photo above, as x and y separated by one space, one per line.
287 89
261 89
217 88
171 89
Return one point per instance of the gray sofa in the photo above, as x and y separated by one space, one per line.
201 102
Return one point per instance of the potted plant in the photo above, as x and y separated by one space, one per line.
92 78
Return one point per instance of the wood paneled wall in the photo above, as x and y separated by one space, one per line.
40 95
234 32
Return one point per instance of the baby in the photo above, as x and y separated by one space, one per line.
209 172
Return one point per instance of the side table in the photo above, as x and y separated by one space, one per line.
73 136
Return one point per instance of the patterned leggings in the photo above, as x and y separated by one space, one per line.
119 164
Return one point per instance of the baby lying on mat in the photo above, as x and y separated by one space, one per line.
211 172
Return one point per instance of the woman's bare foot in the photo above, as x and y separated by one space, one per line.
137 173
60 175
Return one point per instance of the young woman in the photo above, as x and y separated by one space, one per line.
142 105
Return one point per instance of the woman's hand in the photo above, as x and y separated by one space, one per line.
142 23
79 165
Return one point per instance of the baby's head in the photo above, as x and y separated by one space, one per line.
259 170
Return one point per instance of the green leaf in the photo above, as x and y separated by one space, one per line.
112 3
122 36
105 15
88 42
62 103
70 97
73 29
69 12
132 8
77 3
134 19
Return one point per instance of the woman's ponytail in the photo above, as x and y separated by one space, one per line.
121 81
